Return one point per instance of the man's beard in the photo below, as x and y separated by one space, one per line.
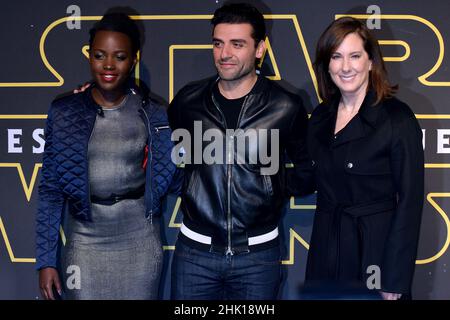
235 76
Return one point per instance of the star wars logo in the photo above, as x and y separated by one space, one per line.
16 140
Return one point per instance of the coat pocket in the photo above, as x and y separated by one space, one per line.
368 168
162 131
160 127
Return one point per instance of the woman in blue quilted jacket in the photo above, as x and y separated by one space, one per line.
107 164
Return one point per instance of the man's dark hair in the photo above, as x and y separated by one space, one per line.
241 13
118 22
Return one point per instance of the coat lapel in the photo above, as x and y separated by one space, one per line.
325 123
360 126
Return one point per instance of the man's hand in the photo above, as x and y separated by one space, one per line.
82 88
48 278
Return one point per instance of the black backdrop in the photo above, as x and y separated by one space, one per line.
41 57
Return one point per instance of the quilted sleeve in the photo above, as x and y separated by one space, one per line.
163 169
50 203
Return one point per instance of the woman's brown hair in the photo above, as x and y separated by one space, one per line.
331 39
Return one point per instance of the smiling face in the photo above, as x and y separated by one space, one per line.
234 50
111 59
350 65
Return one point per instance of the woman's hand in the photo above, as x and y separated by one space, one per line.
48 278
390 295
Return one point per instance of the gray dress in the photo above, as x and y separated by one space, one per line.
119 254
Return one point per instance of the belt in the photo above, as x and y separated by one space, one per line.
355 211
359 209
135 194
207 239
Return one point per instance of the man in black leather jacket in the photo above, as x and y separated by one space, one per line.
228 247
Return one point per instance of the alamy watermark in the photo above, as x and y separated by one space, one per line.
374 280
374 21
74 21
250 146
73 281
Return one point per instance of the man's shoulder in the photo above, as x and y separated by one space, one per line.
195 88
281 94
280 90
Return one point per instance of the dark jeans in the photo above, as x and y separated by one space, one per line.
200 275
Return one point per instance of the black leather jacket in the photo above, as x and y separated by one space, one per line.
232 202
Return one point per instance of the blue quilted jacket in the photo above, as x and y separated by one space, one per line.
64 184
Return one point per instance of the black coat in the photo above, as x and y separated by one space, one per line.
370 184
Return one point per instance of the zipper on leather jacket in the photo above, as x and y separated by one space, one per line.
230 141
230 156
149 164
229 251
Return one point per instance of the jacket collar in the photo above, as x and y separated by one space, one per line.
368 111
259 88
364 122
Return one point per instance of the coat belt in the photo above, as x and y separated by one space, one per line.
355 211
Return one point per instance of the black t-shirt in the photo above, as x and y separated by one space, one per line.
231 108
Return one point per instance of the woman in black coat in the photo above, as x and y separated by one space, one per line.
367 149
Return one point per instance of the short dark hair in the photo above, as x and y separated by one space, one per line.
331 39
118 22
241 13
